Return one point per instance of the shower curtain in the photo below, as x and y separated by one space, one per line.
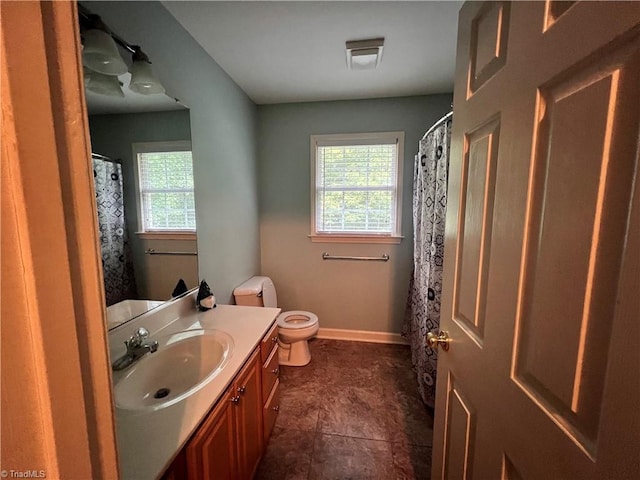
429 211
119 281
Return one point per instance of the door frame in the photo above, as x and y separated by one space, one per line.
57 409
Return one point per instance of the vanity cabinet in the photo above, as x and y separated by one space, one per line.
247 412
270 381
270 410
269 342
230 441
211 453
228 444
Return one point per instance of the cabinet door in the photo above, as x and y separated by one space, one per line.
211 453
178 468
248 416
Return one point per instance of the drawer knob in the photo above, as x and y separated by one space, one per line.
274 339
242 389
235 399
276 408
275 371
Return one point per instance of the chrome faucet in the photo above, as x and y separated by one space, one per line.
136 349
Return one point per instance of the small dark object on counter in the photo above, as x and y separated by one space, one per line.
181 289
205 300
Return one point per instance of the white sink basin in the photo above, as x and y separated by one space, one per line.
184 363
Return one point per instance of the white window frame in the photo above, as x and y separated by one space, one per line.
151 147
358 139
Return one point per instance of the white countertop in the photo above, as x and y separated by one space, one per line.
127 309
148 441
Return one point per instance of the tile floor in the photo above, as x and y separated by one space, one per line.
353 413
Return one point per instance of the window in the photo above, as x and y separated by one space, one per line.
165 187
356 187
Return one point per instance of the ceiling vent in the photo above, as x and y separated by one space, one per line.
364 54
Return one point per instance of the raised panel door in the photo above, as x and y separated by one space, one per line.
542 256
211 452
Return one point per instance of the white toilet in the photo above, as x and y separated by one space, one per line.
294 327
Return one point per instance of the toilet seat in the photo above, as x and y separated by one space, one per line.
297 319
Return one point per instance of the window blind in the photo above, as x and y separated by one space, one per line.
356 188
166 191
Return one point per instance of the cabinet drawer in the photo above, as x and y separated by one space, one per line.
271 409
269 341
270 373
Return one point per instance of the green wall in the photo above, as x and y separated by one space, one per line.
113 135
223 135
344 294
251 167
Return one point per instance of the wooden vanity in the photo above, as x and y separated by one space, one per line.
230 441
219 431
270 376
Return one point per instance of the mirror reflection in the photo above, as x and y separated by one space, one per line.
141 154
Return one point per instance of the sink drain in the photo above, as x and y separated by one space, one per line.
161 393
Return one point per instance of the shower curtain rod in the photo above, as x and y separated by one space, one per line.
437 124
104 157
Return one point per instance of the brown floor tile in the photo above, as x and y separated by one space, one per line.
339 415
408 420
411 462
301 376
336 457
288 456
399 378
353 412
351 375
299 406
336 348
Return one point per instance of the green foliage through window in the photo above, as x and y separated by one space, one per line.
166 191
356 188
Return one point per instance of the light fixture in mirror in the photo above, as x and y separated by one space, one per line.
100 52
101 56
143 81
116 124
102 84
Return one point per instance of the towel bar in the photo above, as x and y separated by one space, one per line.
151 251
383 258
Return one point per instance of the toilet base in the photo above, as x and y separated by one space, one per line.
294 354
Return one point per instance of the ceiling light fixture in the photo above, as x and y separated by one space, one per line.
364 54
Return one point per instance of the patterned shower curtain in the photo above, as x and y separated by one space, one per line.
429 212
119 281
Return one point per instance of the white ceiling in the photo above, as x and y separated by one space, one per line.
280 52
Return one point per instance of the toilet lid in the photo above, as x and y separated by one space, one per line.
297 319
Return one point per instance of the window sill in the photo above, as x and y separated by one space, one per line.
355 239
168 235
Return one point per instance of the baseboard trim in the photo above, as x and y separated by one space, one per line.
361 336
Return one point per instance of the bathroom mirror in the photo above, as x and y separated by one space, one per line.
142 144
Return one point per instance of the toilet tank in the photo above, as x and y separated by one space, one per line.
256 292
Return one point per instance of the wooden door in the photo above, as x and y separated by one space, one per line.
542 268
211 452
248 416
